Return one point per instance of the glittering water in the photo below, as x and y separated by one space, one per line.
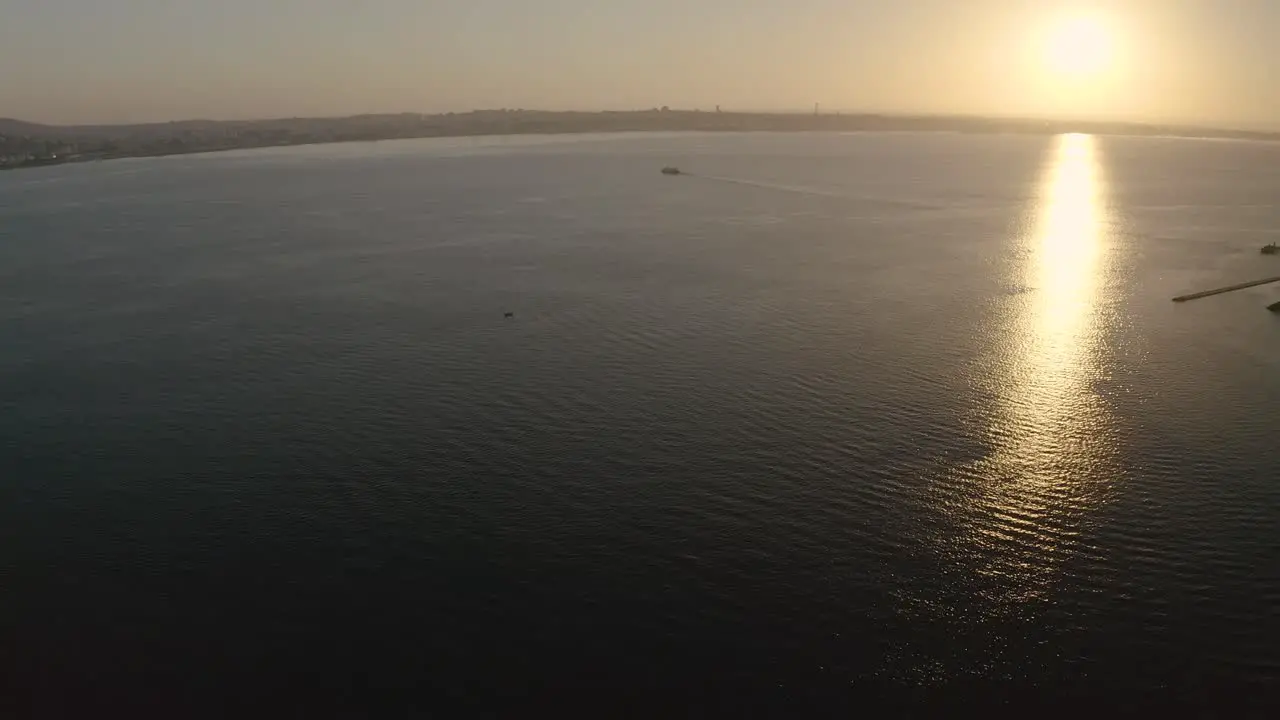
837 418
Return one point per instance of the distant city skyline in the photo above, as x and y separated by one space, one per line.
127 61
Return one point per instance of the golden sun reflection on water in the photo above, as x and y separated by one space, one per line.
1065 259
1019 509
1048 415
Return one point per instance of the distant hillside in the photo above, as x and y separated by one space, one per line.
9 126
23 144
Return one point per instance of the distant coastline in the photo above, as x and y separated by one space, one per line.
24 145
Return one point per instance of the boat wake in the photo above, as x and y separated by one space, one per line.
816 192
799 189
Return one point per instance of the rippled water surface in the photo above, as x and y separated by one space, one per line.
835 418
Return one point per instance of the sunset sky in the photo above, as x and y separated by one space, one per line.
100 61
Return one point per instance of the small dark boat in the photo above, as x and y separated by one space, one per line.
669 170
1274 307
508 314
1271 249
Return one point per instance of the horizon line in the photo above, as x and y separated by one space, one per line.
817 112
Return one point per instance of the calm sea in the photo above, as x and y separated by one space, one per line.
835 420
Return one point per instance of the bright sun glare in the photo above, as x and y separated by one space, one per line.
1079 47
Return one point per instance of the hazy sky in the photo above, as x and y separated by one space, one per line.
80 61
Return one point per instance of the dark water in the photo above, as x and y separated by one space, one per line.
889 418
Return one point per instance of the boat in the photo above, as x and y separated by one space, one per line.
1274 307
669 170
1271 249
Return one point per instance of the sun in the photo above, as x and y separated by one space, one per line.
1079 47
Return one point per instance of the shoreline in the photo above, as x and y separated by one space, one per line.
103 143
